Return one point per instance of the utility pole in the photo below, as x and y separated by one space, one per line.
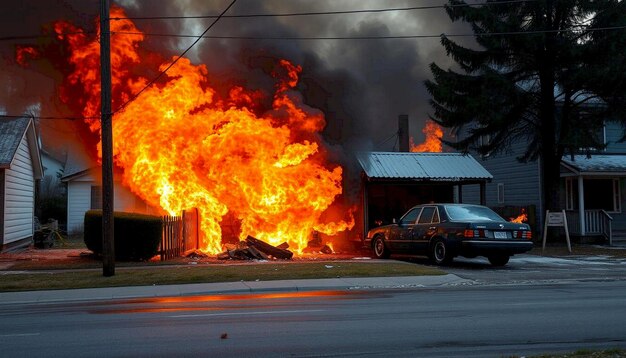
106 128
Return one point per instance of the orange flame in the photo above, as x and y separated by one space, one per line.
24 52
432 142
182 147
520 219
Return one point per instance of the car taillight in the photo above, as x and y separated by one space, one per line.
523 235
474 233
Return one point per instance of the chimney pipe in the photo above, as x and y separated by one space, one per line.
403 132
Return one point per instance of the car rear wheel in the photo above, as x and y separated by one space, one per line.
498 260
439 253
380 250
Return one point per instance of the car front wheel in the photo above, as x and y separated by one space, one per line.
380 250
439 253
498 260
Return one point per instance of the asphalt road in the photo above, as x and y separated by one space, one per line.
476 320
532 269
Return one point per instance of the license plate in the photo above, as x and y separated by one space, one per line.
499 234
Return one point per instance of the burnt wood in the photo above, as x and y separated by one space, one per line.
269 249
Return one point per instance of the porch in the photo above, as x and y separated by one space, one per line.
597 223
593 198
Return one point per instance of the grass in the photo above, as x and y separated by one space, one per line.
164 275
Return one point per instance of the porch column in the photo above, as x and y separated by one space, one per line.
365 208
581 206
460 193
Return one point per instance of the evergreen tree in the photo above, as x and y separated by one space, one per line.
547 72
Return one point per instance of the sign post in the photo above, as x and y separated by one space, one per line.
555 219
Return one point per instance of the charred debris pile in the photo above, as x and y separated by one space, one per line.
255 249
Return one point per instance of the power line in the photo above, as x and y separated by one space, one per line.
176 60
316 13
395 134
41 36
71 118
304 38
392 37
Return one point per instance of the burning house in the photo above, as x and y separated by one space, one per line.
186 143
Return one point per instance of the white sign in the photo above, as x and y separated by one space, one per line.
555 219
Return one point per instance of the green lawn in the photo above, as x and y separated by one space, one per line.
203 273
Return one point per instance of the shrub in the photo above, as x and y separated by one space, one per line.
137 236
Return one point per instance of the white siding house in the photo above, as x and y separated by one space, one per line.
84 193
20 168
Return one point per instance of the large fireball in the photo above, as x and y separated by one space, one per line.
181 146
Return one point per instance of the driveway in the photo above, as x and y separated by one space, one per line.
527 269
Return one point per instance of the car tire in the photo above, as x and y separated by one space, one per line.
380 249
440 253
498 260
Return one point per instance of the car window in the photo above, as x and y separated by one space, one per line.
411 216
436 216
427 215
472 213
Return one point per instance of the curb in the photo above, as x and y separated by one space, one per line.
241 287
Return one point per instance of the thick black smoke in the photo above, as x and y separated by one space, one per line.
361 85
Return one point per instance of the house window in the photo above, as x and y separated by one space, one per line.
500 193
602 194
96 197
485 139
597 134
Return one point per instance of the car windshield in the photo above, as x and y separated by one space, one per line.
471 213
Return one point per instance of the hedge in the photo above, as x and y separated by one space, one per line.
137 236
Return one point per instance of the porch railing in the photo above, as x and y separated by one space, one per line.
597 223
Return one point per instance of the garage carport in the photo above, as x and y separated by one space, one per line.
393 182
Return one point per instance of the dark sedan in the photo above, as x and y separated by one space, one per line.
443 231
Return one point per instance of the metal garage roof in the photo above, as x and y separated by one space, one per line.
424 166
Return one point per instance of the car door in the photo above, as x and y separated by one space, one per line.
425 227
402 233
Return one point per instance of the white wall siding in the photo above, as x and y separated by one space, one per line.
78 202
19 196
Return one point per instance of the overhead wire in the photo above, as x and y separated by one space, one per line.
41 36
317 13
305 38
200 37
136 95
388 37
71 118
222 15
395 134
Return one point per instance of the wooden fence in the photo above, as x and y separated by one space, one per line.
180 235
